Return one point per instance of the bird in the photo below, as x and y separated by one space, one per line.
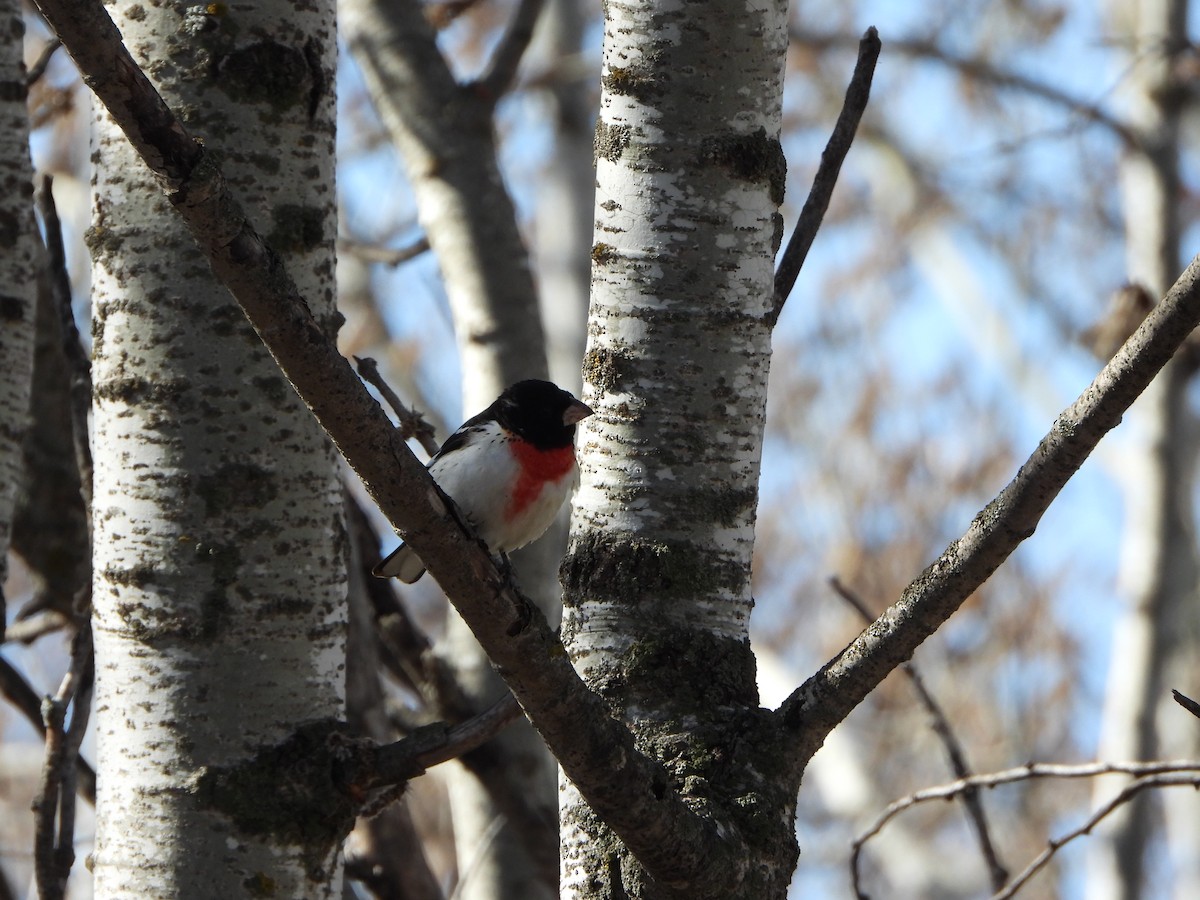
509 469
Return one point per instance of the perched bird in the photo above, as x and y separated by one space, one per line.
509 469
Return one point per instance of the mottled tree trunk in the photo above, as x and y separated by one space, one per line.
1158 574
219 563
18 270
689 179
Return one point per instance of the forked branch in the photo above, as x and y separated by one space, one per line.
813 710
1165 773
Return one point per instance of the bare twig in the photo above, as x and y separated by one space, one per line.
857 95
38 69
412 423
39 624
54 847
18 692
77 360
1130 791
437 743
1186 702
1186 770
372 768
502 68
954 750
984 72
829 695
388 256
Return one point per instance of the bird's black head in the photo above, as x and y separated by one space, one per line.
542 413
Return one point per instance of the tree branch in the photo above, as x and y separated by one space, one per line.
411 423
1149 774
1126 794
813 710
631 792
811 216
38 69
54 805
502 68
984 72
954 750
79 367
1186 702
19 693
387 256
429 746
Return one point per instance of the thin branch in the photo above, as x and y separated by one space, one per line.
38 69
54 847
954 750
21 695
388 256
18 692
83 672
437 743
506 58
630 791
39 624
815 708
1143 770
1130 791
986 73
1186 702
78 365
412 424
811 216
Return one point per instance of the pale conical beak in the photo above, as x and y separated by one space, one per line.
575 412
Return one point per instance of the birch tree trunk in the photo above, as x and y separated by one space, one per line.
219 562
18 271
1158 572
689 175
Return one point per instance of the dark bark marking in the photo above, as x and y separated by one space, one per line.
267 72
12 309
296 228
627 569
750 157
287 789
236 486
13 91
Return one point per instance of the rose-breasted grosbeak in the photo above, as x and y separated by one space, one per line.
509 469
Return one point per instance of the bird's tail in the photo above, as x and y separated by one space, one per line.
402 563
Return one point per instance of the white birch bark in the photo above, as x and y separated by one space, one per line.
689 177
1158 567
18 269
219 560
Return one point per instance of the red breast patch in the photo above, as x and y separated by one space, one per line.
537 468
